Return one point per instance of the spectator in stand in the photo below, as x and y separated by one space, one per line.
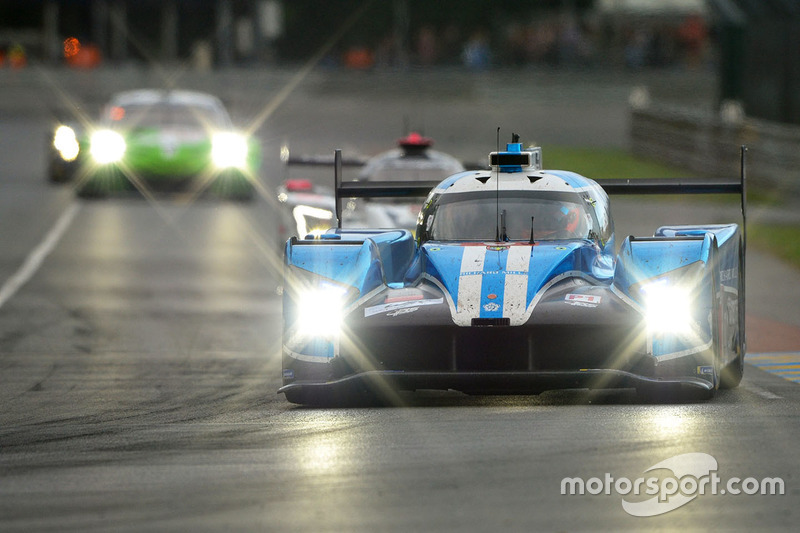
476 54
693 35
427 47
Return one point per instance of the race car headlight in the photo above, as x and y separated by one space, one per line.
320 310
229 150
668 308
107 146
66 142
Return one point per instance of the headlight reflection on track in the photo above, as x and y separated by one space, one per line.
323 449
668 421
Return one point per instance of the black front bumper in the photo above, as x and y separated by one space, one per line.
382 383
561 346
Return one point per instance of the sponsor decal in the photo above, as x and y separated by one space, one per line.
385 308
496 273
582 300
509 270
671 484
288 373
470 282
403 295
705 370
492 296
404 311
728 274
515 288
496 248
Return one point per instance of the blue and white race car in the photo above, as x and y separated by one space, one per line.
512 284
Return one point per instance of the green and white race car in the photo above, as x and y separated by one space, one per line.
159 140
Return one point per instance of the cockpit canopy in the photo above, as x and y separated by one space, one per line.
141 109
517 200
550 215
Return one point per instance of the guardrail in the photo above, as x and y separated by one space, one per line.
709 144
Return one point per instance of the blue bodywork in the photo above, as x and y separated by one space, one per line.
514 315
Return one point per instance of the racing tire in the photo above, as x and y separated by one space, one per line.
58 174
234 187
102 183
731 374
90 191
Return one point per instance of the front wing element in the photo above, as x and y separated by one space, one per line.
384 383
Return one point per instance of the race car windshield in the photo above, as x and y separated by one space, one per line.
471 216
161 115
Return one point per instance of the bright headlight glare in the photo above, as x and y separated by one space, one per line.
668 308
229 150
65 141
320 310
107 146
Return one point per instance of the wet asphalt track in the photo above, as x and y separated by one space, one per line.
139 358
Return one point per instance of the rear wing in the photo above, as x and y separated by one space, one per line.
289 158
672 186
322 161
411 189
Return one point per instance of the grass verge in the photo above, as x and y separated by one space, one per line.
782 241
607 163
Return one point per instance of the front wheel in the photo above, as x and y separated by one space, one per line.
90 189
102 182
731 374
234 186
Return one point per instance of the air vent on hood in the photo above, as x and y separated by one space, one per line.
489 322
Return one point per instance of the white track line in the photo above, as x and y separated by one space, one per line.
767 395
37 256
